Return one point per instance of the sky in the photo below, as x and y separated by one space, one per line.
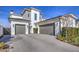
47 11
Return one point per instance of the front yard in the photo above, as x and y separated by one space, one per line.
3 47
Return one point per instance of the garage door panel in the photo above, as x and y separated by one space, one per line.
20 29
48 29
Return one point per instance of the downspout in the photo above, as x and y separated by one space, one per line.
60 29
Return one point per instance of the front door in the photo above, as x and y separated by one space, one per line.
35 30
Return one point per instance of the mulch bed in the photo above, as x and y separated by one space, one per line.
4 48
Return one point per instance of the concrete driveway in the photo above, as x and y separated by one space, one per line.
40 43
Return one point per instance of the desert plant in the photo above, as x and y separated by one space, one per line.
3 45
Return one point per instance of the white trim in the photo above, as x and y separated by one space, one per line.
13 26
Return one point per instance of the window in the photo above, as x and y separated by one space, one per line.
28 14
35 16
56 23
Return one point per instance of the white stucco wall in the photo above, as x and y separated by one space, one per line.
57 29
13 26
72 22
25 15
68 22
33 21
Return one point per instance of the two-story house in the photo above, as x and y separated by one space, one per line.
31 21
25 22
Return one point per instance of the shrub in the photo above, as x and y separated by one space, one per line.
60 37
69 35
3 45
76 41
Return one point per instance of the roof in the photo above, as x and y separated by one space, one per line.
15 16
71 15
49 21
55 19
18 18
29 10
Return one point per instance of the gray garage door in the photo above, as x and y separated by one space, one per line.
19 29
47 29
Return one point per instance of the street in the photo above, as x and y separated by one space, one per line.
40 43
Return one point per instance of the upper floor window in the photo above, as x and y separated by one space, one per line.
28 15
35 16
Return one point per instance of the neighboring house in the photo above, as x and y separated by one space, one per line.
1 30
54 25
25 22
68 20
31 21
